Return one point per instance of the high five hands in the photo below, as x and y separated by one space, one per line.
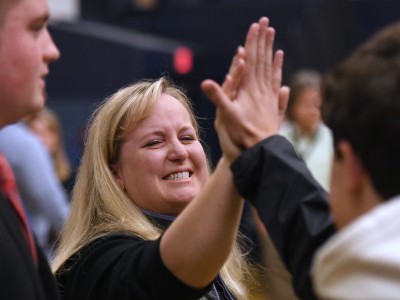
251 102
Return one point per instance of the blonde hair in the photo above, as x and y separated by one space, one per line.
62 164
98 205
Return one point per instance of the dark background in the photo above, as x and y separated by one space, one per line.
116 42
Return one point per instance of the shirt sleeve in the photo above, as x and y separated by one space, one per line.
122 267
291 204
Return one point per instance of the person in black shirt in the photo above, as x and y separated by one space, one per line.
147 219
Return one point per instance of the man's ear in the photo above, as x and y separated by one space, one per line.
353 169
117 176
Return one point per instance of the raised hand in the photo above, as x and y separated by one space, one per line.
230 87
232 80
251 103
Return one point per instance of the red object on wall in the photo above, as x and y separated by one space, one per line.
183 60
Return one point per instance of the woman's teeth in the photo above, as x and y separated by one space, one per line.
177 176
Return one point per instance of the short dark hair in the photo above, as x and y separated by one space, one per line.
361 104
300 80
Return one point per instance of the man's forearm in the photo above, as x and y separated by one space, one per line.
291 204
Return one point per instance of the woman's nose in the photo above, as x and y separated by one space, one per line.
177 151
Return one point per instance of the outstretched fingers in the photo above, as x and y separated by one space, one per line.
251 103
232 80
276 70
263 68
268 65
261 49
251 49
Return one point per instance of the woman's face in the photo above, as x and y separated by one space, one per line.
162 165
307 110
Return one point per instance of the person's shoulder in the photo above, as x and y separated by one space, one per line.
110 240
286 127
109 243
115 236
17 134
325 131
16 142
12 130
322 126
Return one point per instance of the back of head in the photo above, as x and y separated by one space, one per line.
361 104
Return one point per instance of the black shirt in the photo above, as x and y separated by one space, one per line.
122 266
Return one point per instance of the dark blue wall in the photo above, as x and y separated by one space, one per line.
315 34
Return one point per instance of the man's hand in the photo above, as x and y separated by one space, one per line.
251 103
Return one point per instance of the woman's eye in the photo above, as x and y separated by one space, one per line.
187 138
152 143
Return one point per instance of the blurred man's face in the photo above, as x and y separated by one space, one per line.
26 49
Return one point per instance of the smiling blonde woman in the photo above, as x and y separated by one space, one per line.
147 220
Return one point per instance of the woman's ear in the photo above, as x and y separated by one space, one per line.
354 170
117 176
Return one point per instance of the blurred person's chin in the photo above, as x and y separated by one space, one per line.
36 103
